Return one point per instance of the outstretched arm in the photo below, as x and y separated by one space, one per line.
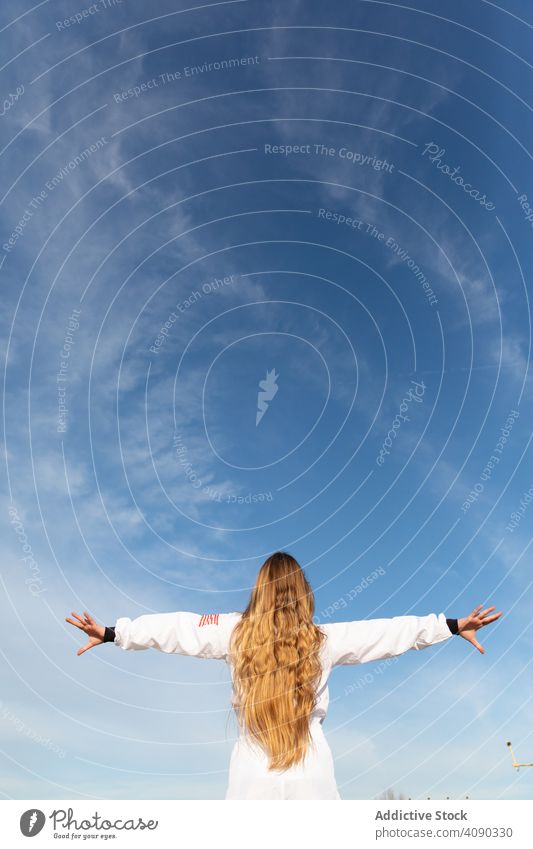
181 633
363 640
366 640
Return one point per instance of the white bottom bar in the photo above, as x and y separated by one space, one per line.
268 825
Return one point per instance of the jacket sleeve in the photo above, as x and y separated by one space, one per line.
373 639
206 635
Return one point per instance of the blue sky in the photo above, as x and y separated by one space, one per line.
174 235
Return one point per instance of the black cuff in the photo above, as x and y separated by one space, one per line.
452 625
109 636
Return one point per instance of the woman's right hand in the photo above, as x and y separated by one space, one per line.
468 626
94 631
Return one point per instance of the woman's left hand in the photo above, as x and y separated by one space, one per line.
94 631
468 626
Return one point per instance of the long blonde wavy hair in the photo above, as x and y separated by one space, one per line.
276 666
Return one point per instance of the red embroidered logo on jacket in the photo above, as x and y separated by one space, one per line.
208 619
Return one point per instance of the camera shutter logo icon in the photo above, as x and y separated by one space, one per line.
32 822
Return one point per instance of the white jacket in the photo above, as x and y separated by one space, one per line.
359 641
